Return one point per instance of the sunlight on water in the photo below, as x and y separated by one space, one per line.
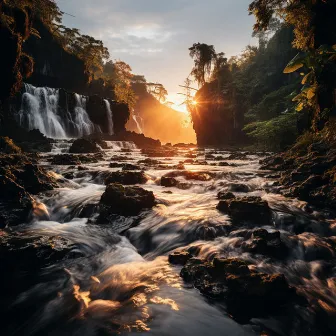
121 280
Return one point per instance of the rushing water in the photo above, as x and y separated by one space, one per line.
122 283
109 117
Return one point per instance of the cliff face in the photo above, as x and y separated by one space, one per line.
159 121
15 65
54 67
98 112
215 123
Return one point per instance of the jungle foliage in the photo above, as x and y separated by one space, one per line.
284 85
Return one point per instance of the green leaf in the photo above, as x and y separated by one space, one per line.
296 63
297 98
311 93
299 107
307 79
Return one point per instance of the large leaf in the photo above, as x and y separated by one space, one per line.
308 78
311 93
296 63
298 97
299 107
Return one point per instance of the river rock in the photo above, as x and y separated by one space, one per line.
246 293
84 146
225 195
130 166
169 182
35 179
179 257
237 156
159 152
116 165
266 243
127 201
66 160
149 162
198 176
15 203
126 177
239 187
76 159
250 209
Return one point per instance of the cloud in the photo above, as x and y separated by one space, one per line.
153 36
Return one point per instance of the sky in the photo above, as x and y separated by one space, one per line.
153 36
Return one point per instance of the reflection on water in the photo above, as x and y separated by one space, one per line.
123 284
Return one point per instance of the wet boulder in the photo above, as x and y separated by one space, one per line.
127 201
116 165
84 146
65 160
225 195
22 258
224 164
266 243
250 209
126 177
35 179
239 187
237 156
76 159
169 182
149 162
15 203
159 152
246 293
179 257
130 166
198 176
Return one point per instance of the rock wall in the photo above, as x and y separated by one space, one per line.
215 123
53 66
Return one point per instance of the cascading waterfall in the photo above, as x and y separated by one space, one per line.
109 117
135 118
40 110
83 124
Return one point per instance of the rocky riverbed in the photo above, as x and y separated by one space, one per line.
161 241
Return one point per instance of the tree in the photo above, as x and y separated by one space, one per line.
158 91
204 56
315 36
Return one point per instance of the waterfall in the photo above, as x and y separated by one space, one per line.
83 124
40 110
137 123
109 117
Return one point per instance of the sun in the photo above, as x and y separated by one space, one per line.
194 102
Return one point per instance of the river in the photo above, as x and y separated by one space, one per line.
119 280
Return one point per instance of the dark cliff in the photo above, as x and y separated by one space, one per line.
54 67
215 121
